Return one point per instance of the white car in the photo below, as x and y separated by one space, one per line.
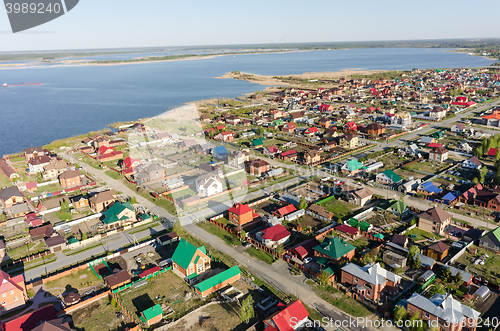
307 260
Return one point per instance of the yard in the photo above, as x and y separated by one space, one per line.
392 161
428 167
100 315
174 292
216 230
25 250
340 208
113 174
82 279
491 268
421 234
261 255
4 181
362 243
342 301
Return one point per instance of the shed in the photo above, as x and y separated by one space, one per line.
426 276
117 279
482 293
152 315
218 281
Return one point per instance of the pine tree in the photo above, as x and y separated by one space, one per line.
247 312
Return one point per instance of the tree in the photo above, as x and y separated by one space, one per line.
400 314
415 321
243 234
260 131
84 236
2 217
302 203
280 250
246 311
446 275
178 229
458 278
436 288
133 200
416 262
323 277
475 180
478 152
482 174
413 256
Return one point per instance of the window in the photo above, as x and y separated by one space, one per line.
368 292
12 292
15 298
200 268
3 303
355 279
4 295
427 314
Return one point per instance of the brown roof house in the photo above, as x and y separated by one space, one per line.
54 169
38 163
438 251
32 152
374 129
117 279
434 220
311 156
41 232
70 178
358 197
56 243
319 212
400 240
153 172
101 200
257 167
348 140
438 154
10 196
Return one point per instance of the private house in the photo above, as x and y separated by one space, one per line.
319 212
352 167
7 170
189 261
492 119
37 163
438 251
464 147
347 230
208 185
218 281
241 214
12 291
438 154
428 188
41 232
283 211
100 201
396 207
374 129
434 220
402 119
448 313
472 163
325 122
257 167
118 215
400 240
311 156
152 315
151 173
220 152
19 210
130 163
80 201
426 261
10 196
311 131
168 238
388 177
473 234
297 116
458 128
41 319
33 152
273 236
54 169
289 156
333 250
348 140
55 243
70 178
289 127
466 276
491 240
351 126
258 143
271 150
225 136
293 317
359 197
371 281
233 120
438 113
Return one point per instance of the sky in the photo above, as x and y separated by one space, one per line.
158 23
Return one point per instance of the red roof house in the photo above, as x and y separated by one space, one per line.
105 150
311 131
351 126
324 107
347 229
285 210
30 321
149 271
131 163
433 145
274 235
492 151
287 318
241 214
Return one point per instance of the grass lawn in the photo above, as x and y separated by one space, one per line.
77 280
22 251
429 167
98 316
261 255
421 234
228 238
342 301
339 208
4 181
492 264
113 174
187 192
169 285
160 202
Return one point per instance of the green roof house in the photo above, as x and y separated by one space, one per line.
351 167
491 240
363 226
144 217
258 143
189 261
396 207
218 281
437 135
276 123
333 250
118 214
388 177
152 315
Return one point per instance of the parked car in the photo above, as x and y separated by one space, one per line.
308 260
137 259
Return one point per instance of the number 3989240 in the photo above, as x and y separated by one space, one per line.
39 8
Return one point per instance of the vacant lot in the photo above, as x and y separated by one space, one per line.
405 174
421 234
491 268
392 161
340 208
76 281
4 181
100 315
261 255
229 238
428 167
173 291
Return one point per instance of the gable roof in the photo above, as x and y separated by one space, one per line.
475 160
295 312
8 192
286 210
30 321
354 165
111 215
151 313
444 307
221 150
371 273
240 209
392 176
275 233
257 142
218 279
347 229
334 248
435 214
184 253
401 240
439 247
398 205
430 187
492 238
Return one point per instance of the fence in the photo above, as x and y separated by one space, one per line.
460 253
77 221
82 304
408 229
132 317
325 200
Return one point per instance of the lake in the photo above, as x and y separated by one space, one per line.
76 100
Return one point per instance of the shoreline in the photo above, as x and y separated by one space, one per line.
464 51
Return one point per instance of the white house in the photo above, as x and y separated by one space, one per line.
208 185
464 148
273 236
38 163
459 128
472 163
437 113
